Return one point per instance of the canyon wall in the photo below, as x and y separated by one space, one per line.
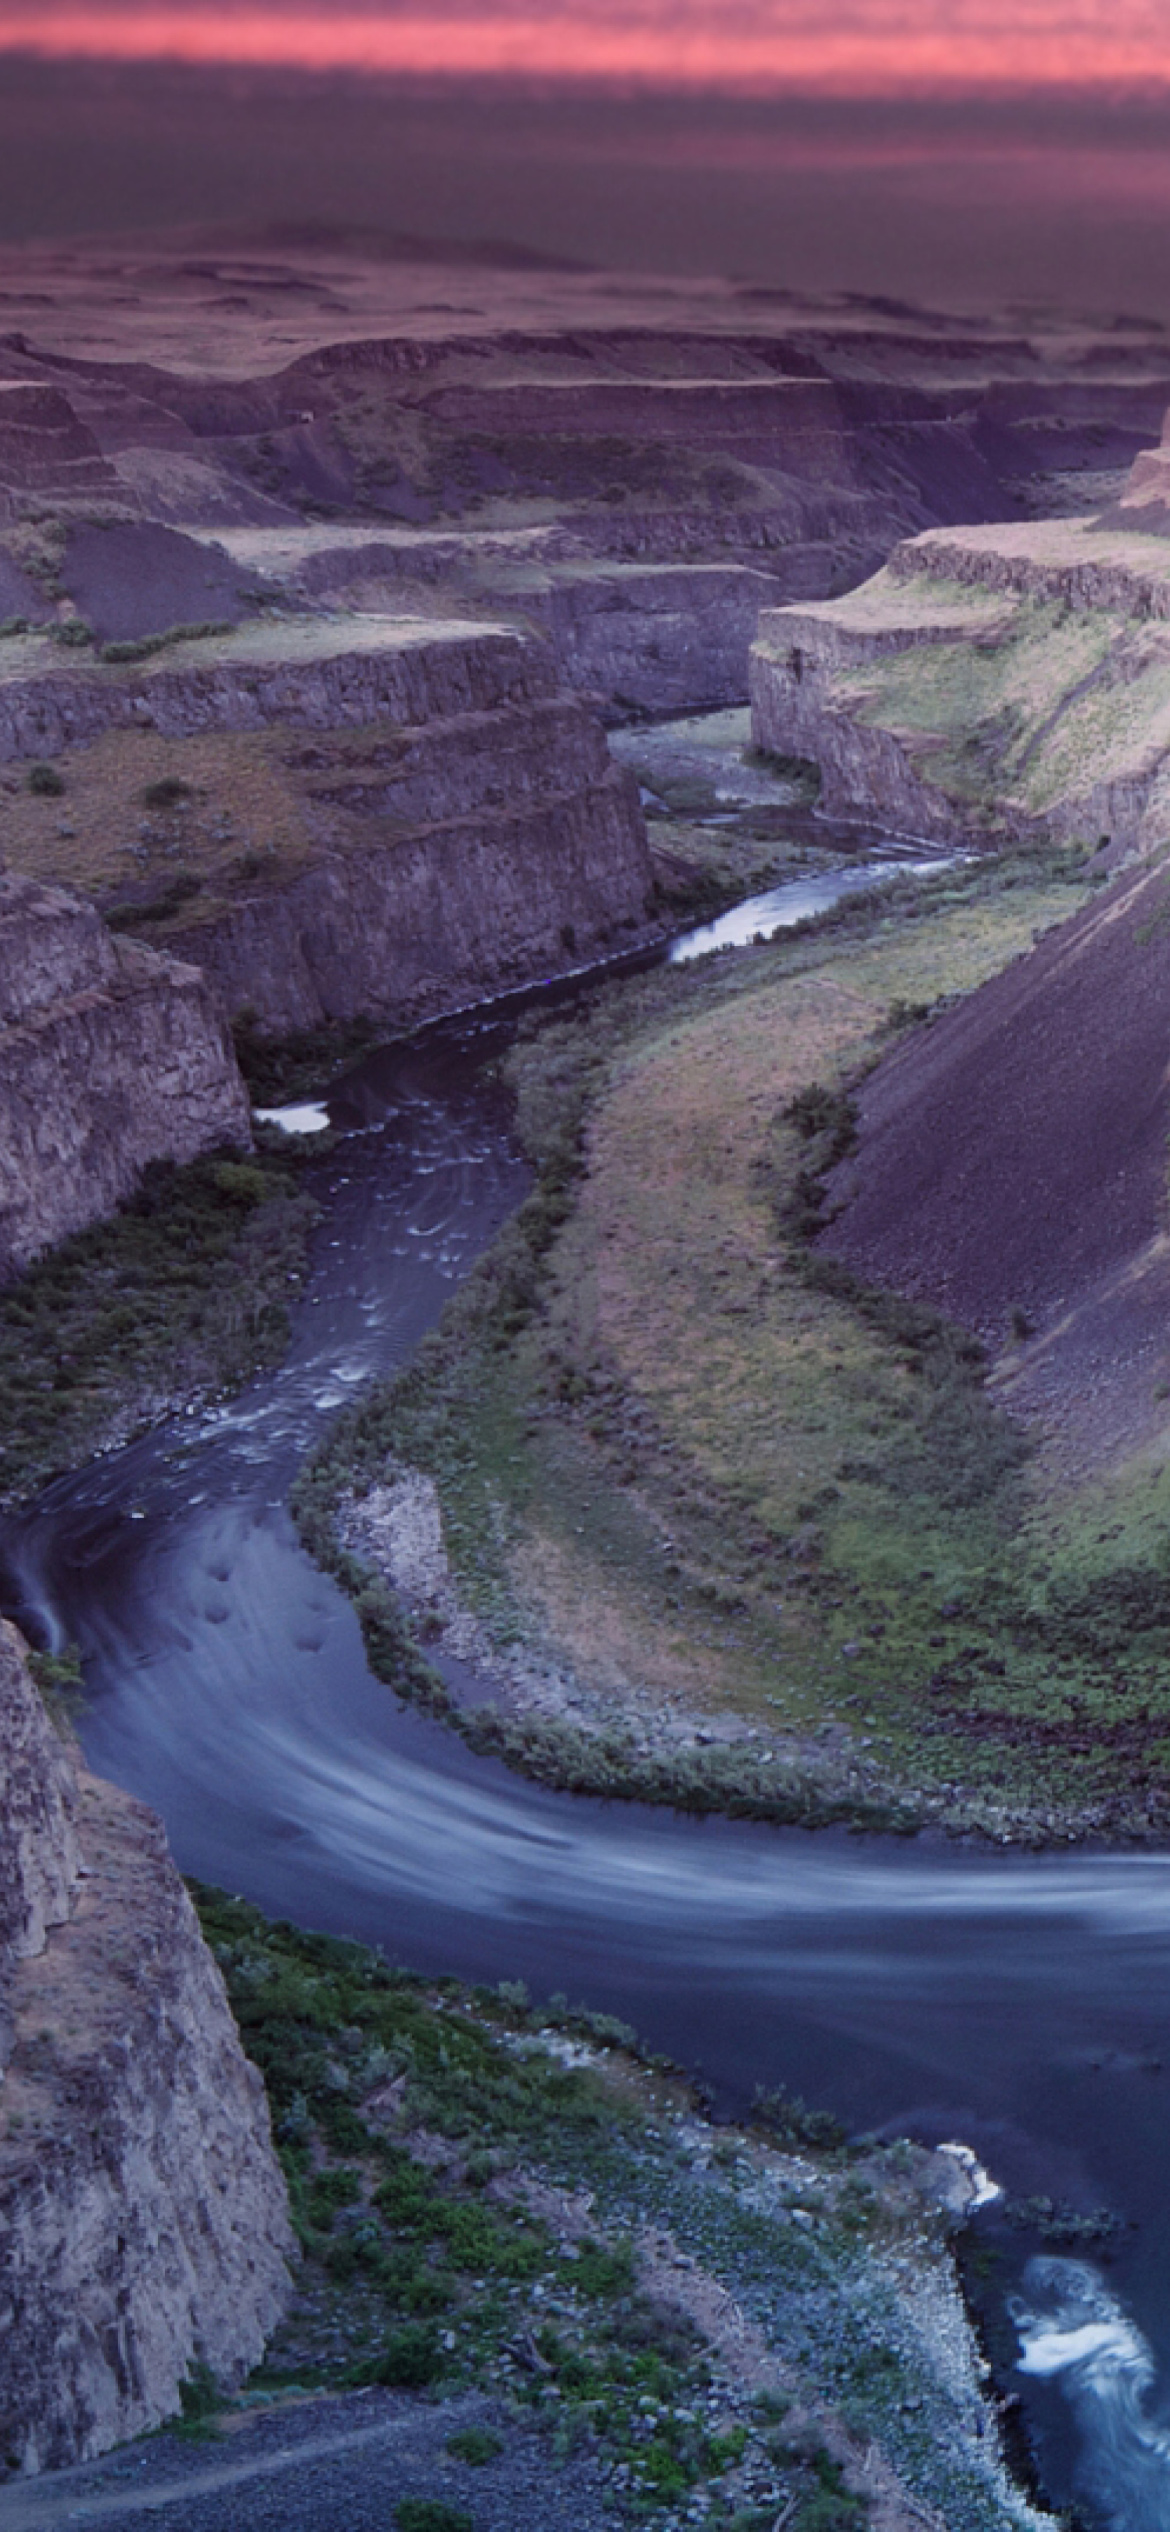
143 2222
645 447
645 627
447 820
990 685
110 1056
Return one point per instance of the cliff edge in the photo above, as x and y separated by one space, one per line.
350 817
143 2223
991 685
110 1056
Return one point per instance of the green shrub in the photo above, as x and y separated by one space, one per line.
476 2445
45 782
791 2122
604 2272
329 2190
118 653
167 793
430 2514
129 916
199 2395
410 2359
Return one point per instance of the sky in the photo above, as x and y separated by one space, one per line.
853 46
973 152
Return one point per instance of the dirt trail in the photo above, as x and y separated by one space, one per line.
317 2465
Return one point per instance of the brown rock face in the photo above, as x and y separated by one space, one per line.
39 1853
143 2224
468 828
110 1056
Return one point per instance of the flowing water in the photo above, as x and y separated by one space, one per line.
1020 2003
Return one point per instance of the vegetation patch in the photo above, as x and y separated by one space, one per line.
183 1293
147 644
140 813
278 1070
477 2213
773 1525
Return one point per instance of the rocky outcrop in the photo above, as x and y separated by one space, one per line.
635 632
1144 499
462 825
43 445
303 675
447 915
989 684
143 2222
38 1850
110 1056
457 859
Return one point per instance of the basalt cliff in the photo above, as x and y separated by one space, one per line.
143 2224
990 683
110 1056
634 467
354 816
1008 687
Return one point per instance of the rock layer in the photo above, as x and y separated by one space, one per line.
462 826
647 425
38 1851
990 683
110 1056
143 2223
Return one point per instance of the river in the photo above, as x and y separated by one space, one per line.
1019 2003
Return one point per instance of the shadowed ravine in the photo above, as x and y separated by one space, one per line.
1017 2002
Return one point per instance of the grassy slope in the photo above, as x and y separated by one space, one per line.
473 2181
184 1291
726 1492
158 823
1034 710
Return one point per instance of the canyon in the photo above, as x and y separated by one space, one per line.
1007 688
320 580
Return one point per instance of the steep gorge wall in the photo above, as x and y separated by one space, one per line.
491 847
638 622
448 914
463 825
143 2222
990 684
110 1056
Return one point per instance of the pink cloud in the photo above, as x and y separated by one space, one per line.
857 46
